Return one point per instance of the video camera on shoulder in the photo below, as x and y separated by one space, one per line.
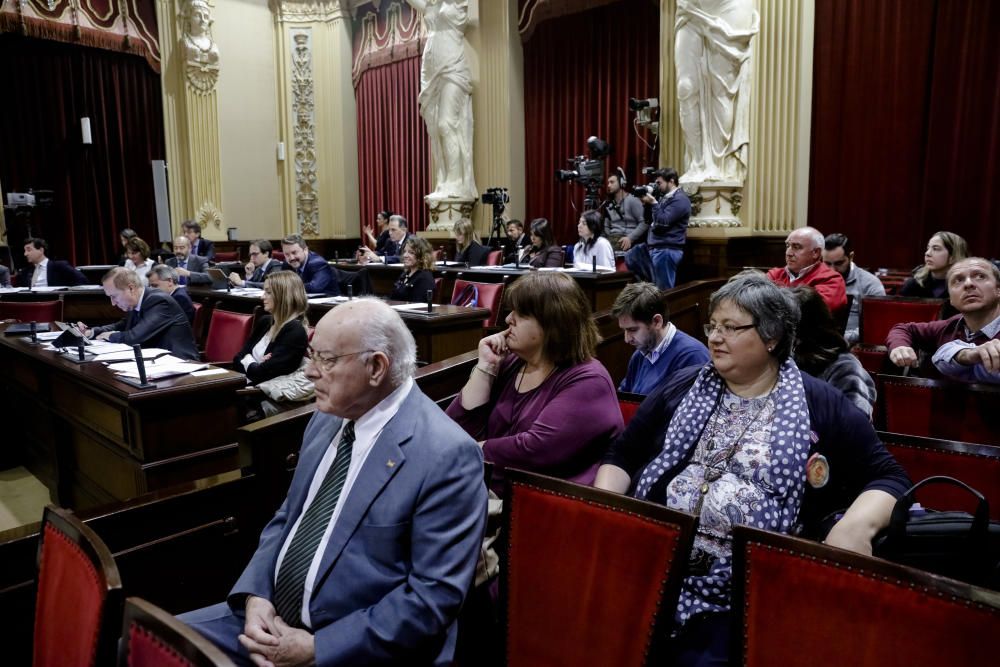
650 188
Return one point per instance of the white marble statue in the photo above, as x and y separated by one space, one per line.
712 55
201 54
446 98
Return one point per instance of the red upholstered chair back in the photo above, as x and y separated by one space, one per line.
153 638
490 295
941 409
587 575
976 465
494 258
278 255
78 606
805 604
198 325
872 357
629 404
227 332
881 313
32 311
233 256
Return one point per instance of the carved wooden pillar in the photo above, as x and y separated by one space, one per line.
317 118
191 67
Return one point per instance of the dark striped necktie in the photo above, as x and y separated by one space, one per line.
290 584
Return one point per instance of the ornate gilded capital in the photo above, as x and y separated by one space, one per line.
208 215
310 11
304 120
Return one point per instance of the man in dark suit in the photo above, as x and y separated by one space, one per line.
190 267
153 319
4 276
517 241
370 556
393 248
316 274
164 278
261 263
44 272
199 246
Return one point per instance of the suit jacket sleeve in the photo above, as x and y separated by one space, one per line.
63 274
449 516
197 266
918 335
286 350
319 278
4 276
664 217
156 317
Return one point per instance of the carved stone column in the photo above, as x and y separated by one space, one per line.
191 67
317 118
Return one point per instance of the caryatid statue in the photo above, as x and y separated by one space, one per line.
712 55
446 97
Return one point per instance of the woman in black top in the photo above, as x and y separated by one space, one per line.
278 342
928 281
378 244
470 251
418 260
543 250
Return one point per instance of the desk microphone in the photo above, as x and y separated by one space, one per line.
79 349
430 301
594 260
350 292
336 255
140 364
517 258
34 331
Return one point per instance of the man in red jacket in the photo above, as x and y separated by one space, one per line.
804 266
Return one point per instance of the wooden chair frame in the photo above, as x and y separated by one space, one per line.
188 643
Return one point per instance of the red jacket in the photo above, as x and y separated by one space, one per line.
827 282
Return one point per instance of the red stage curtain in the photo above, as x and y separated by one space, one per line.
393 153
98 189
579 72
905 126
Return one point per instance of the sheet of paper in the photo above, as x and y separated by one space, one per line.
159 368
42 290
411 306
248 291
49 335
127 355
209 371
329 299
12 290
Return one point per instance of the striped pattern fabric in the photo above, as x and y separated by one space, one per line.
290 585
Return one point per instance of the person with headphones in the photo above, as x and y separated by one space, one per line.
623 213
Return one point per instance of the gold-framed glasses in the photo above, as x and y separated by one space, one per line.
326 362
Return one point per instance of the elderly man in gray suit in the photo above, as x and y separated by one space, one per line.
370 556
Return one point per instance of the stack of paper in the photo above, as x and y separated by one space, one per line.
329 299
161 367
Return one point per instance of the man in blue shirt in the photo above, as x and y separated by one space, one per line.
660 348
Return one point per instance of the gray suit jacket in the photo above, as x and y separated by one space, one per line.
402 554
196 265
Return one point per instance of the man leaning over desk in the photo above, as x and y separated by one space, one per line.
153 319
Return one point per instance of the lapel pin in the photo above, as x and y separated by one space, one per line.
390 463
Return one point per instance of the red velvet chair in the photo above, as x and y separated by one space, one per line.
629 404
587 577
153 638
32 311
490 295
233 256
976 465
873 358
494 258
799 603
227 332
881 313
198 325
79 602
278 255
941 409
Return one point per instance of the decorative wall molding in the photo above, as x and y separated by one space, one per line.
385 35
309 11
304 126
201 53
208 215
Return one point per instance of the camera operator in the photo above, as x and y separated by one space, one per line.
656 260
623 212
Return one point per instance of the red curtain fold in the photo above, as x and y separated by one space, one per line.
579 72
100 188
905 125
393 153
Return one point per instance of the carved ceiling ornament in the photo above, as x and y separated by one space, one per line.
309 11
304 119
201 53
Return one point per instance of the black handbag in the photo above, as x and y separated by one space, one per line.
959 545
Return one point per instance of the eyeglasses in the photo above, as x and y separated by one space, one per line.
255 254
725 330
326 362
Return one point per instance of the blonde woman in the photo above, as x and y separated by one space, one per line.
468 248
943 250
278 342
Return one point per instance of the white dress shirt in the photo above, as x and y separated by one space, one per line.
41 276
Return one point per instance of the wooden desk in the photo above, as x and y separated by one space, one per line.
93 439
90 305
444 333
601 288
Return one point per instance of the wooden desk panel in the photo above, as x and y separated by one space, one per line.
90 306
93 439
443 333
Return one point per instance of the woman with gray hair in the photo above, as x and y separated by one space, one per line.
749 439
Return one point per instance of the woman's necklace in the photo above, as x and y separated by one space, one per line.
520 379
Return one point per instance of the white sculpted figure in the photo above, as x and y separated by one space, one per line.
201 54
712 53
446 97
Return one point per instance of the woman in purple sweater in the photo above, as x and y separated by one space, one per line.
537 399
